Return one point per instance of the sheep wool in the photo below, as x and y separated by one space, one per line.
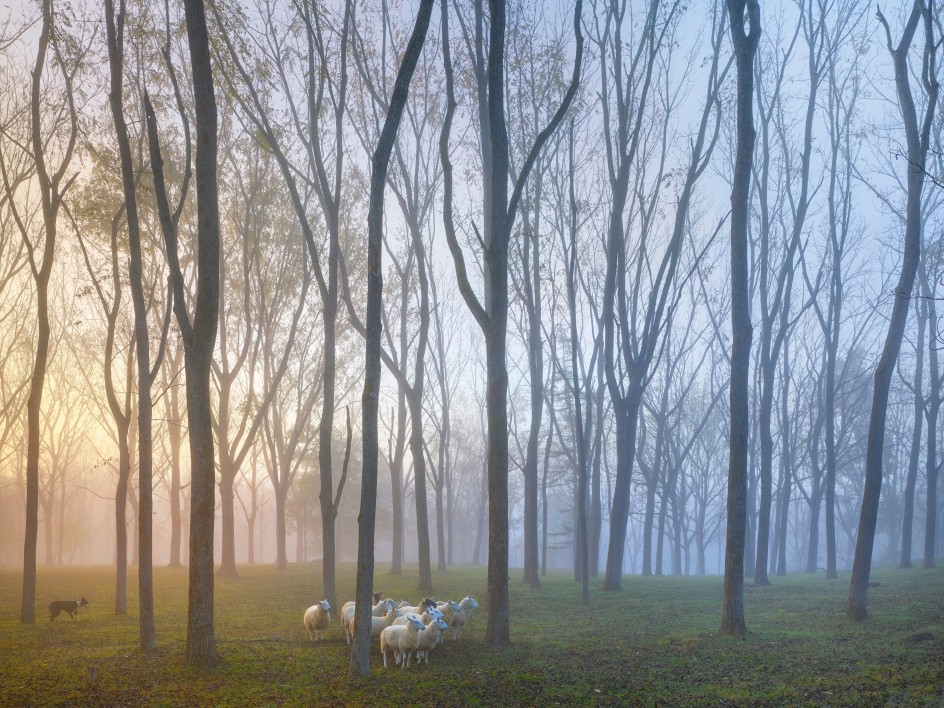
449 610
317 617
347 614
431 614
428 639
401 639
466 606
377 624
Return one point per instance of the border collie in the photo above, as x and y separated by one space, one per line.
70 606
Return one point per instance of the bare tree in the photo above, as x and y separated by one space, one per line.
115 26
917 139
635 321
199 332
413 181
745 40
775 286
498 216
360 658
53 133
243 330
932 409
325 95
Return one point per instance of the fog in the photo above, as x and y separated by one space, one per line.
612 316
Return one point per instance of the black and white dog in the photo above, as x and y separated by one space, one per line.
70 606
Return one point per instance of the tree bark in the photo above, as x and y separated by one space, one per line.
740 12
917 138
147 640
907 523
933 412
52 188
199 336
360 657
498 215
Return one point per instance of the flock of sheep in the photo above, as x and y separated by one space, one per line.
404 630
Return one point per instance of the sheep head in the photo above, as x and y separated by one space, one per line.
415 622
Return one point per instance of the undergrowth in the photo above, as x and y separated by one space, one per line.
653 643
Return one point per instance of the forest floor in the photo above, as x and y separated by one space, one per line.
652 644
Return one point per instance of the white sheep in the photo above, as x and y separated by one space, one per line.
401 639
347 614
419 609
464 613
317 617
428 616
377 624
449 610
429 638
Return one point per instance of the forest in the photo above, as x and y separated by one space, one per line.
549 304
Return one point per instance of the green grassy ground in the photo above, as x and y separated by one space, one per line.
651 644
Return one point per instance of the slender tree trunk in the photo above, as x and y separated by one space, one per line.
360 657
419 485
596 505
531 276
548 443
174 438
915 453
917 138
649 524
281 553
227 514
934 407
627 417
786 468
480 516
147 640
199 337
51 196
745 46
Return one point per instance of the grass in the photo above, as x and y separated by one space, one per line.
652 644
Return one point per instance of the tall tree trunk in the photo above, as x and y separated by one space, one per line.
396 484
627 417
745 46
531 281
498 216
227 486
917 138
281 553
907 532
596 505
121 521
649 523
147 640
360 657
199 336
415 399
51 194
934 407
786 469
174 439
